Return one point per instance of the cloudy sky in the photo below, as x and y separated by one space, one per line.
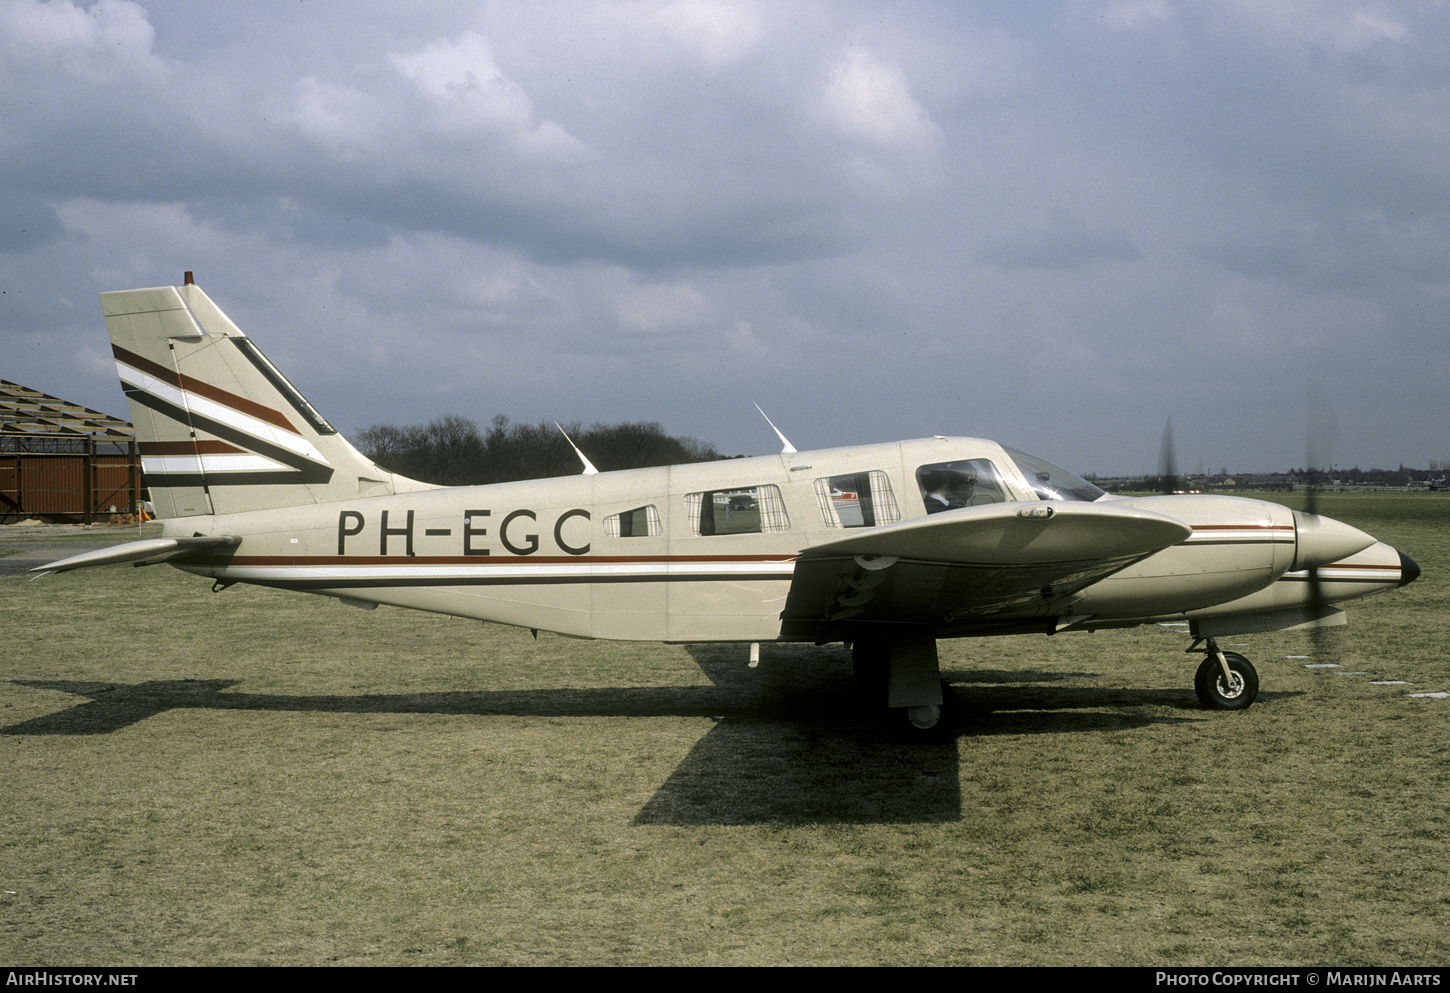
1056 225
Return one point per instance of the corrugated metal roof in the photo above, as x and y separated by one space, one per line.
27 413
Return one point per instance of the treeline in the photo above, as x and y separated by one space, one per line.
1295 478
451 451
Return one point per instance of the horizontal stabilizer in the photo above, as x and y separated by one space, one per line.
143 552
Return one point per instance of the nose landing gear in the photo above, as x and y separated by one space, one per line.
1225 680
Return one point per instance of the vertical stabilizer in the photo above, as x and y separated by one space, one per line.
220 429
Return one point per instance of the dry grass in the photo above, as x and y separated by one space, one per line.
255 777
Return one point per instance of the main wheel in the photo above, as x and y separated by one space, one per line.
1218 692
927 725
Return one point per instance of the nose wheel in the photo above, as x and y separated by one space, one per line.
1225 680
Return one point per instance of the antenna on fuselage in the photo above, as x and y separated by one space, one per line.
589 469
789 449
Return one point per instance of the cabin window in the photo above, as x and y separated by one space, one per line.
857 500
965 483
641 522
743 510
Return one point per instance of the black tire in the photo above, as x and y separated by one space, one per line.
927 725
1215 692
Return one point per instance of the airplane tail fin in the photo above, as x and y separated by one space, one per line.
220 430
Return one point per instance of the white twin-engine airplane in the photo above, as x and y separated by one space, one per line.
887 547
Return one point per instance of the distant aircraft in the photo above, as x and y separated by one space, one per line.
887 547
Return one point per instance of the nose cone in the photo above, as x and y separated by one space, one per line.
1323 540
1409 570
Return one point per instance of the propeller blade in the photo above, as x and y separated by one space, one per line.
1167 463
1321 431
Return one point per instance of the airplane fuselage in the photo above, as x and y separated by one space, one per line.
624 555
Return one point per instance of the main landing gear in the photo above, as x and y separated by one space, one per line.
1225 680
903 674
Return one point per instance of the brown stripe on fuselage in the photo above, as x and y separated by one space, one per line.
490 560
1286 528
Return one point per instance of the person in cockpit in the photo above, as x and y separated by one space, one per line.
947 489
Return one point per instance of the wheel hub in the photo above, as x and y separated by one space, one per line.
1232 687
924 718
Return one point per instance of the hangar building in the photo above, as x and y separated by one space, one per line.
60 461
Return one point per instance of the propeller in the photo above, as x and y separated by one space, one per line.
1167 467
1321 431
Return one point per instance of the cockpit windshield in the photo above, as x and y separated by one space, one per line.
1051 483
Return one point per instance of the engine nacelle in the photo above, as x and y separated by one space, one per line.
1238 546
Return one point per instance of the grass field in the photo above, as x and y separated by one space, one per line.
263 778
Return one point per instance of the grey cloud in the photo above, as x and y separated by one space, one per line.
1346 255
1065 243
594 210
26 221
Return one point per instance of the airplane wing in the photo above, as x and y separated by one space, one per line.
1000 565
147 551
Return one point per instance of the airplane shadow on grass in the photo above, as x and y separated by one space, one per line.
793 741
